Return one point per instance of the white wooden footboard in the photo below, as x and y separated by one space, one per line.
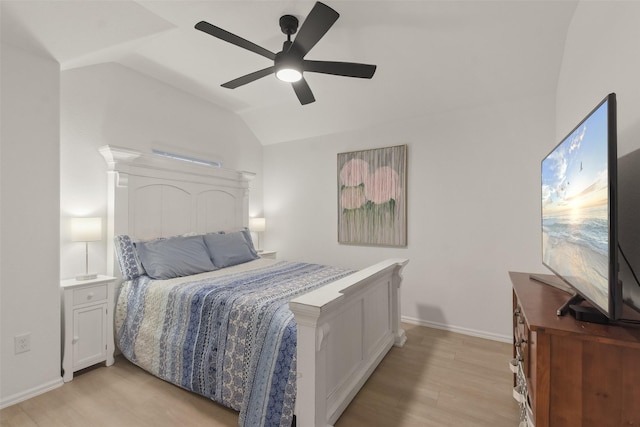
344 330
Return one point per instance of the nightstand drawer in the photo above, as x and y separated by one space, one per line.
91 294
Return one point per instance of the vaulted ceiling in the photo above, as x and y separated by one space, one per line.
432 56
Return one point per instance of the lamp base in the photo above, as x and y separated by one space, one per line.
87 276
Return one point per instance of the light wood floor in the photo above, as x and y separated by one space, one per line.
438 378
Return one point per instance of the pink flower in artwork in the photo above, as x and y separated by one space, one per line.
352 197
383 185
354 172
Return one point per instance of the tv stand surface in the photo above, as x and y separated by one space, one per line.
551 280
575 373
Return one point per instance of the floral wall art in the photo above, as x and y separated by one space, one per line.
372 196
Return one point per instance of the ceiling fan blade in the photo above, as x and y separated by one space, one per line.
320 19
248 78
303 91
233 39
348 69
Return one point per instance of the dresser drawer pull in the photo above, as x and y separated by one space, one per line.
75 339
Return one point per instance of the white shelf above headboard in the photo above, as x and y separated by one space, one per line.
151 196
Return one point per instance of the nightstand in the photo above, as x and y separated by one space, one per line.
268 254
88 323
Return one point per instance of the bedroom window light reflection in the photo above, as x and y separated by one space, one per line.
86 230
184 158
257 225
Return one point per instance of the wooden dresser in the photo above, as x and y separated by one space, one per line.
572 373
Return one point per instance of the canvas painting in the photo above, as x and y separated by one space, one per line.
372 197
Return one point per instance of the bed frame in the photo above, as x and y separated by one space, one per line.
344 328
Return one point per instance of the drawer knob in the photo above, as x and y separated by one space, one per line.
75 339
90 295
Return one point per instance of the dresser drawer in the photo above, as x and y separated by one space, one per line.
91 294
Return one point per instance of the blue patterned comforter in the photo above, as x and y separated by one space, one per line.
228 335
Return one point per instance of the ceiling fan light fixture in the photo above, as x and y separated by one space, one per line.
288 67
289 75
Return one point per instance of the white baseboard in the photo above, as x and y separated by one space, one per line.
459 330
32 392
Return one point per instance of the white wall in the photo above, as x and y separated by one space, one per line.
473 198
601 57
111 104
29 240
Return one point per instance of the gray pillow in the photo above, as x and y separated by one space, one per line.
229 249
247 236
174 257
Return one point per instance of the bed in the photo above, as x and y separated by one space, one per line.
268 338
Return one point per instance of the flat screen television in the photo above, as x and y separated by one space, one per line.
579 212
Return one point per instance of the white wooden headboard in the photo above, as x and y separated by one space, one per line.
151 196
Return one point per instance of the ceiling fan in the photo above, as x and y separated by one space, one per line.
289 64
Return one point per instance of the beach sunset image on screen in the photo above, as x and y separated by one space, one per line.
575 208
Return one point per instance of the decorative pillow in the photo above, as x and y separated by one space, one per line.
174 257
130 265
229 249
245 232
247 236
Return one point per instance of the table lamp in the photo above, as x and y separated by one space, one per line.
257 225
86 230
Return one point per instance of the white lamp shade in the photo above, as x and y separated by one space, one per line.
86 229
257 224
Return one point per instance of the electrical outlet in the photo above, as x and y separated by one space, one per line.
22 343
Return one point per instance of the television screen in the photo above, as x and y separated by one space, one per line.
579 241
